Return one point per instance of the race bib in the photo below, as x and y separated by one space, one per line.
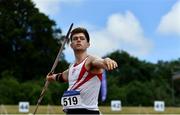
71 98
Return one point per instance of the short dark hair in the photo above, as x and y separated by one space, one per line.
80 30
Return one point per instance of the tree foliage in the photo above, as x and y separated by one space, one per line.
28 40
137 82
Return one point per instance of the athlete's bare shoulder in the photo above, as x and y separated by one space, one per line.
90 64
91 58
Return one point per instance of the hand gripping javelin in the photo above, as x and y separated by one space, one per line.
53 68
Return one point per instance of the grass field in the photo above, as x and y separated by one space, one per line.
14 109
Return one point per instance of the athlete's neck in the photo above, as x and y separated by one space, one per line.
80 56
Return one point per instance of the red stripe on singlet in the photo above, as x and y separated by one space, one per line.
88 77
99 76
82 72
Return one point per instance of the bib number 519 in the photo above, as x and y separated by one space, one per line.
69 101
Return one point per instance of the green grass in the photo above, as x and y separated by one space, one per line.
13 109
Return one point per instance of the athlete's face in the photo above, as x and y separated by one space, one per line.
79 42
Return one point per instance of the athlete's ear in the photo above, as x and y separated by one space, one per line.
88 45
71 44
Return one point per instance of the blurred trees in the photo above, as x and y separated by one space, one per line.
12 91
138 82
29 40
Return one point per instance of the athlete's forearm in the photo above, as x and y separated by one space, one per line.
61 77
106 63
98 63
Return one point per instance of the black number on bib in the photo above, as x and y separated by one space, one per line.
65 101
70 101
75 101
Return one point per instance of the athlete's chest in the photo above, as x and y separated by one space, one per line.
74 73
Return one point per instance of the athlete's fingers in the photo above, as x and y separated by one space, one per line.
110 64
115 64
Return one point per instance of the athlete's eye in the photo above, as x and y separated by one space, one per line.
75 38
82 38
78 37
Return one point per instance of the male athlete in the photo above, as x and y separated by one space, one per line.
84 76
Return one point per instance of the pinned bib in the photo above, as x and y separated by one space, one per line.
71 99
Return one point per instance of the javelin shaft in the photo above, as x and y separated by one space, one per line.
53 68
41 96
61 49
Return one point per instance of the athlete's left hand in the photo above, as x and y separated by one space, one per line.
110 64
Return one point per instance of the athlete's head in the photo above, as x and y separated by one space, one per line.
80 30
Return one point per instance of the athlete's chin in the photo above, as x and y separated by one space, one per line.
79 49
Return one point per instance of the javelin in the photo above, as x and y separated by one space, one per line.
53 68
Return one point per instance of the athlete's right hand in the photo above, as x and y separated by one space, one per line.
51 77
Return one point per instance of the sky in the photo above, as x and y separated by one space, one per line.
146 29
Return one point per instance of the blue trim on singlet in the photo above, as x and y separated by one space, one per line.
70 93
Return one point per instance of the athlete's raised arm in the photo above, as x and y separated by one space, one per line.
106 63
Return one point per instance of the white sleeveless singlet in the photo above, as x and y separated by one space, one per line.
87 83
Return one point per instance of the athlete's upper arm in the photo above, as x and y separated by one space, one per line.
97 62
